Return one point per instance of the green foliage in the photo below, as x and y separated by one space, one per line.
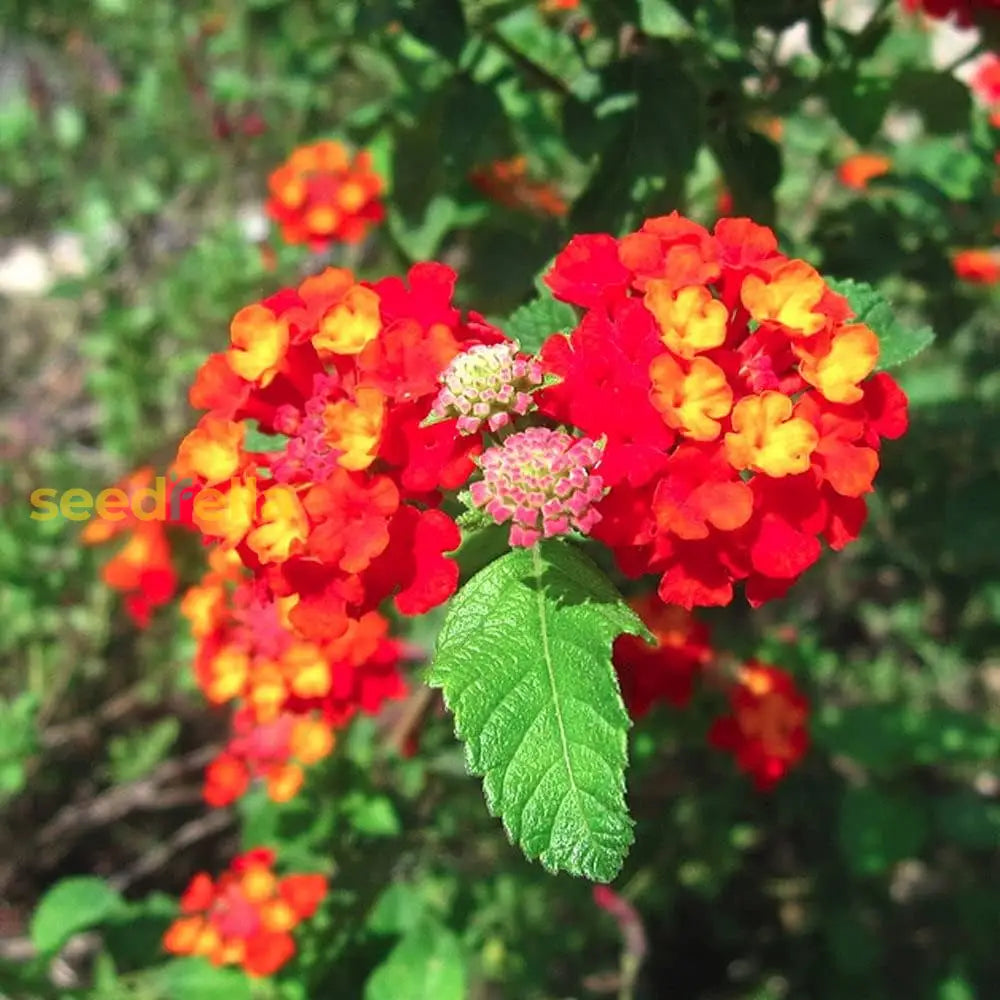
868 872
426 964
17 741
523 659
195 979
897 343
534 323
72 905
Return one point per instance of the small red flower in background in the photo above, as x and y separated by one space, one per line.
667 670
508 183
766 732
856 171
985 84
245 916
142 570
322 195
965 12
978 267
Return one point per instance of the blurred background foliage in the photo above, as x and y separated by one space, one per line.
135 142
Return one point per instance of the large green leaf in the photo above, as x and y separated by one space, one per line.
426 964
524 662
897 343
72 905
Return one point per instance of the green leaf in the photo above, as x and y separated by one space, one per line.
426 964
398 910
373 816
877 830
968 819
655 145
133 755
897 343
524 661
944 103
72 905
532 324
859 103
258 440
751 163
662 20
197 979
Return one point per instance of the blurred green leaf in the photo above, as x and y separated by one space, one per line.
197 979
72 905
662 19
878 829
944 103
859 103
426 964
135 754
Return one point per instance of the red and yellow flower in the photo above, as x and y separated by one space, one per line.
324 194
245 917
735 393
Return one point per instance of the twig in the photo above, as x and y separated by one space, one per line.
161 854
110 806
412 712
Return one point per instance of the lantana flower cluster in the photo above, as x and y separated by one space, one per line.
765 729
734 390
143 569
323 194
289 694
964 12
331 434
713 418
510 184
245 917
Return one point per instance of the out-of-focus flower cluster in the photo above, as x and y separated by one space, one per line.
289 693
965 12
142 570
245 917
509 183
765 729
734 390
324 194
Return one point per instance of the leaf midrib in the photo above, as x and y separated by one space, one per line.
536 564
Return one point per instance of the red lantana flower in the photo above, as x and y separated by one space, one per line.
245 916
734 391
766 731
323 194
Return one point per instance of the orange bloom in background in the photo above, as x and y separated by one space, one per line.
766 731
665 671
856 171
142 570
978 266
508 183
246 915
324 194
